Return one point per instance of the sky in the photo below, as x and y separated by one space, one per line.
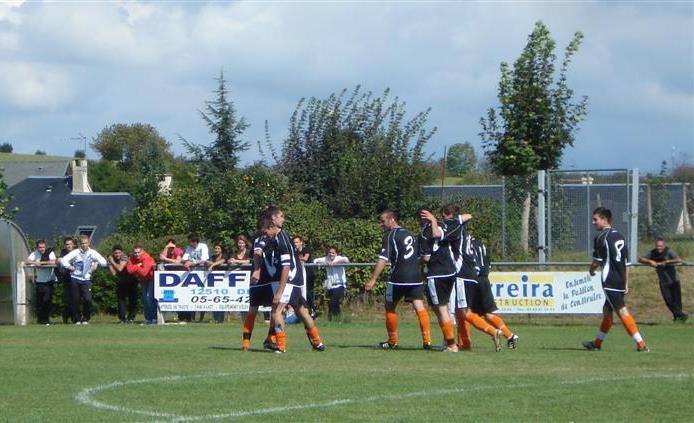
69 69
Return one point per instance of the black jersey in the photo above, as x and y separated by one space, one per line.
441 262
481 257
400 249
269 260
290 257
463 252
610 250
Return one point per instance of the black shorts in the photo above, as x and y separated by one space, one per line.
439 290
262 295
486 295
292 295
614 299
394 293
467 295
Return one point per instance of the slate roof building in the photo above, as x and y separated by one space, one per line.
50 207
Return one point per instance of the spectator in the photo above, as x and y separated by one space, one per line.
335 281
141 266
663 259
309 272
243 251
126 285
218 258
171 254
194 257
82 263
65 279
44 281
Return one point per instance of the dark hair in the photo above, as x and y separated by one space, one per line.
193 237
68 238
265 222
171 240
40 241
218 244
333 247
137 246
272 211
244 239
116 247
604 213
391 213
450 209
659 239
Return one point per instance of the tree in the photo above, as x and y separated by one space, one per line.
40 153
536 119
461 159
80 154
6 147
357 154
220 117
125 143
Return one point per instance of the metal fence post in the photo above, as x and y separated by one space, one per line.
634 217
541 211
503 217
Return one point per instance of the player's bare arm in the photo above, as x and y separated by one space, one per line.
284 276
378 269
593 267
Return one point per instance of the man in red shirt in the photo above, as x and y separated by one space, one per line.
141 265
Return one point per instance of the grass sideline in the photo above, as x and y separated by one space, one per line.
196 372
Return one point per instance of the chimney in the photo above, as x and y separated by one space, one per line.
80 183
165 184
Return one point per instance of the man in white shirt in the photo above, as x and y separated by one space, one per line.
336 280
44 280
82 263
194 258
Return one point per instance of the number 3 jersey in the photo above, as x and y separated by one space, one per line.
610 250
400 249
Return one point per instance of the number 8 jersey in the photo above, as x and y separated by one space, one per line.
400 249
611 252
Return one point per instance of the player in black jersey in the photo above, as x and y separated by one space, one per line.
264 282
291 282
400 250
435 251
486 295
611 256
467 290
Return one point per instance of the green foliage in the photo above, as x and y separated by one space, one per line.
220 117
536 118
4 200
128 144
461 159
108 176
6 147
40 153
357 154
80 154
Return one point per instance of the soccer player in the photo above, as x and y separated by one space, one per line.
436 252
487 297
291 282
467 288
611 256
400 249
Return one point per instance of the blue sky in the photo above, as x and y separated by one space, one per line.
70 68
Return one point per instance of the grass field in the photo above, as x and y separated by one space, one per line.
108 372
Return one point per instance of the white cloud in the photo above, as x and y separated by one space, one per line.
32 86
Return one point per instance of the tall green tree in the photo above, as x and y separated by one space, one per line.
461 159
537 115
358 153
6 147
221 119
126 144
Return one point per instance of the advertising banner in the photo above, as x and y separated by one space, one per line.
547 292
200 290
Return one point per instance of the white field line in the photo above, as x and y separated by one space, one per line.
85 395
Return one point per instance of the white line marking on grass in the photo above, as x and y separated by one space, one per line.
85 395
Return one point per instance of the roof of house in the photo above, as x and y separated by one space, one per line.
14 172
48 209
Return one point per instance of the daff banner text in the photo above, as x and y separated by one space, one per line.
202 291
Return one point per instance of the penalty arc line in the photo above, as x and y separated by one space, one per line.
85 395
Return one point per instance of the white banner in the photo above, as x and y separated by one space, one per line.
547 292
199 290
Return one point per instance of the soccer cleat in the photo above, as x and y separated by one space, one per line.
427 346
643 349
590 346
512 342
279 351
387 345
450 349
318 347
269 345
497 340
